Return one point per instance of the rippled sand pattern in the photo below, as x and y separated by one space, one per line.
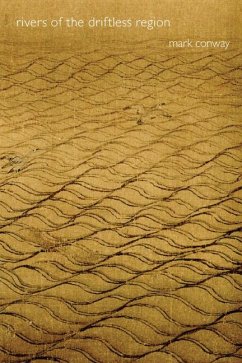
119 205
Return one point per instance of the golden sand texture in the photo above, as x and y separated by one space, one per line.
120 204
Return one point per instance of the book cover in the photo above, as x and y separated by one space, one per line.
120 178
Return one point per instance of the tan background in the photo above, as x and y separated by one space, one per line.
190 18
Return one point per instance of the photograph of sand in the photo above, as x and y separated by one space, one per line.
120 179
